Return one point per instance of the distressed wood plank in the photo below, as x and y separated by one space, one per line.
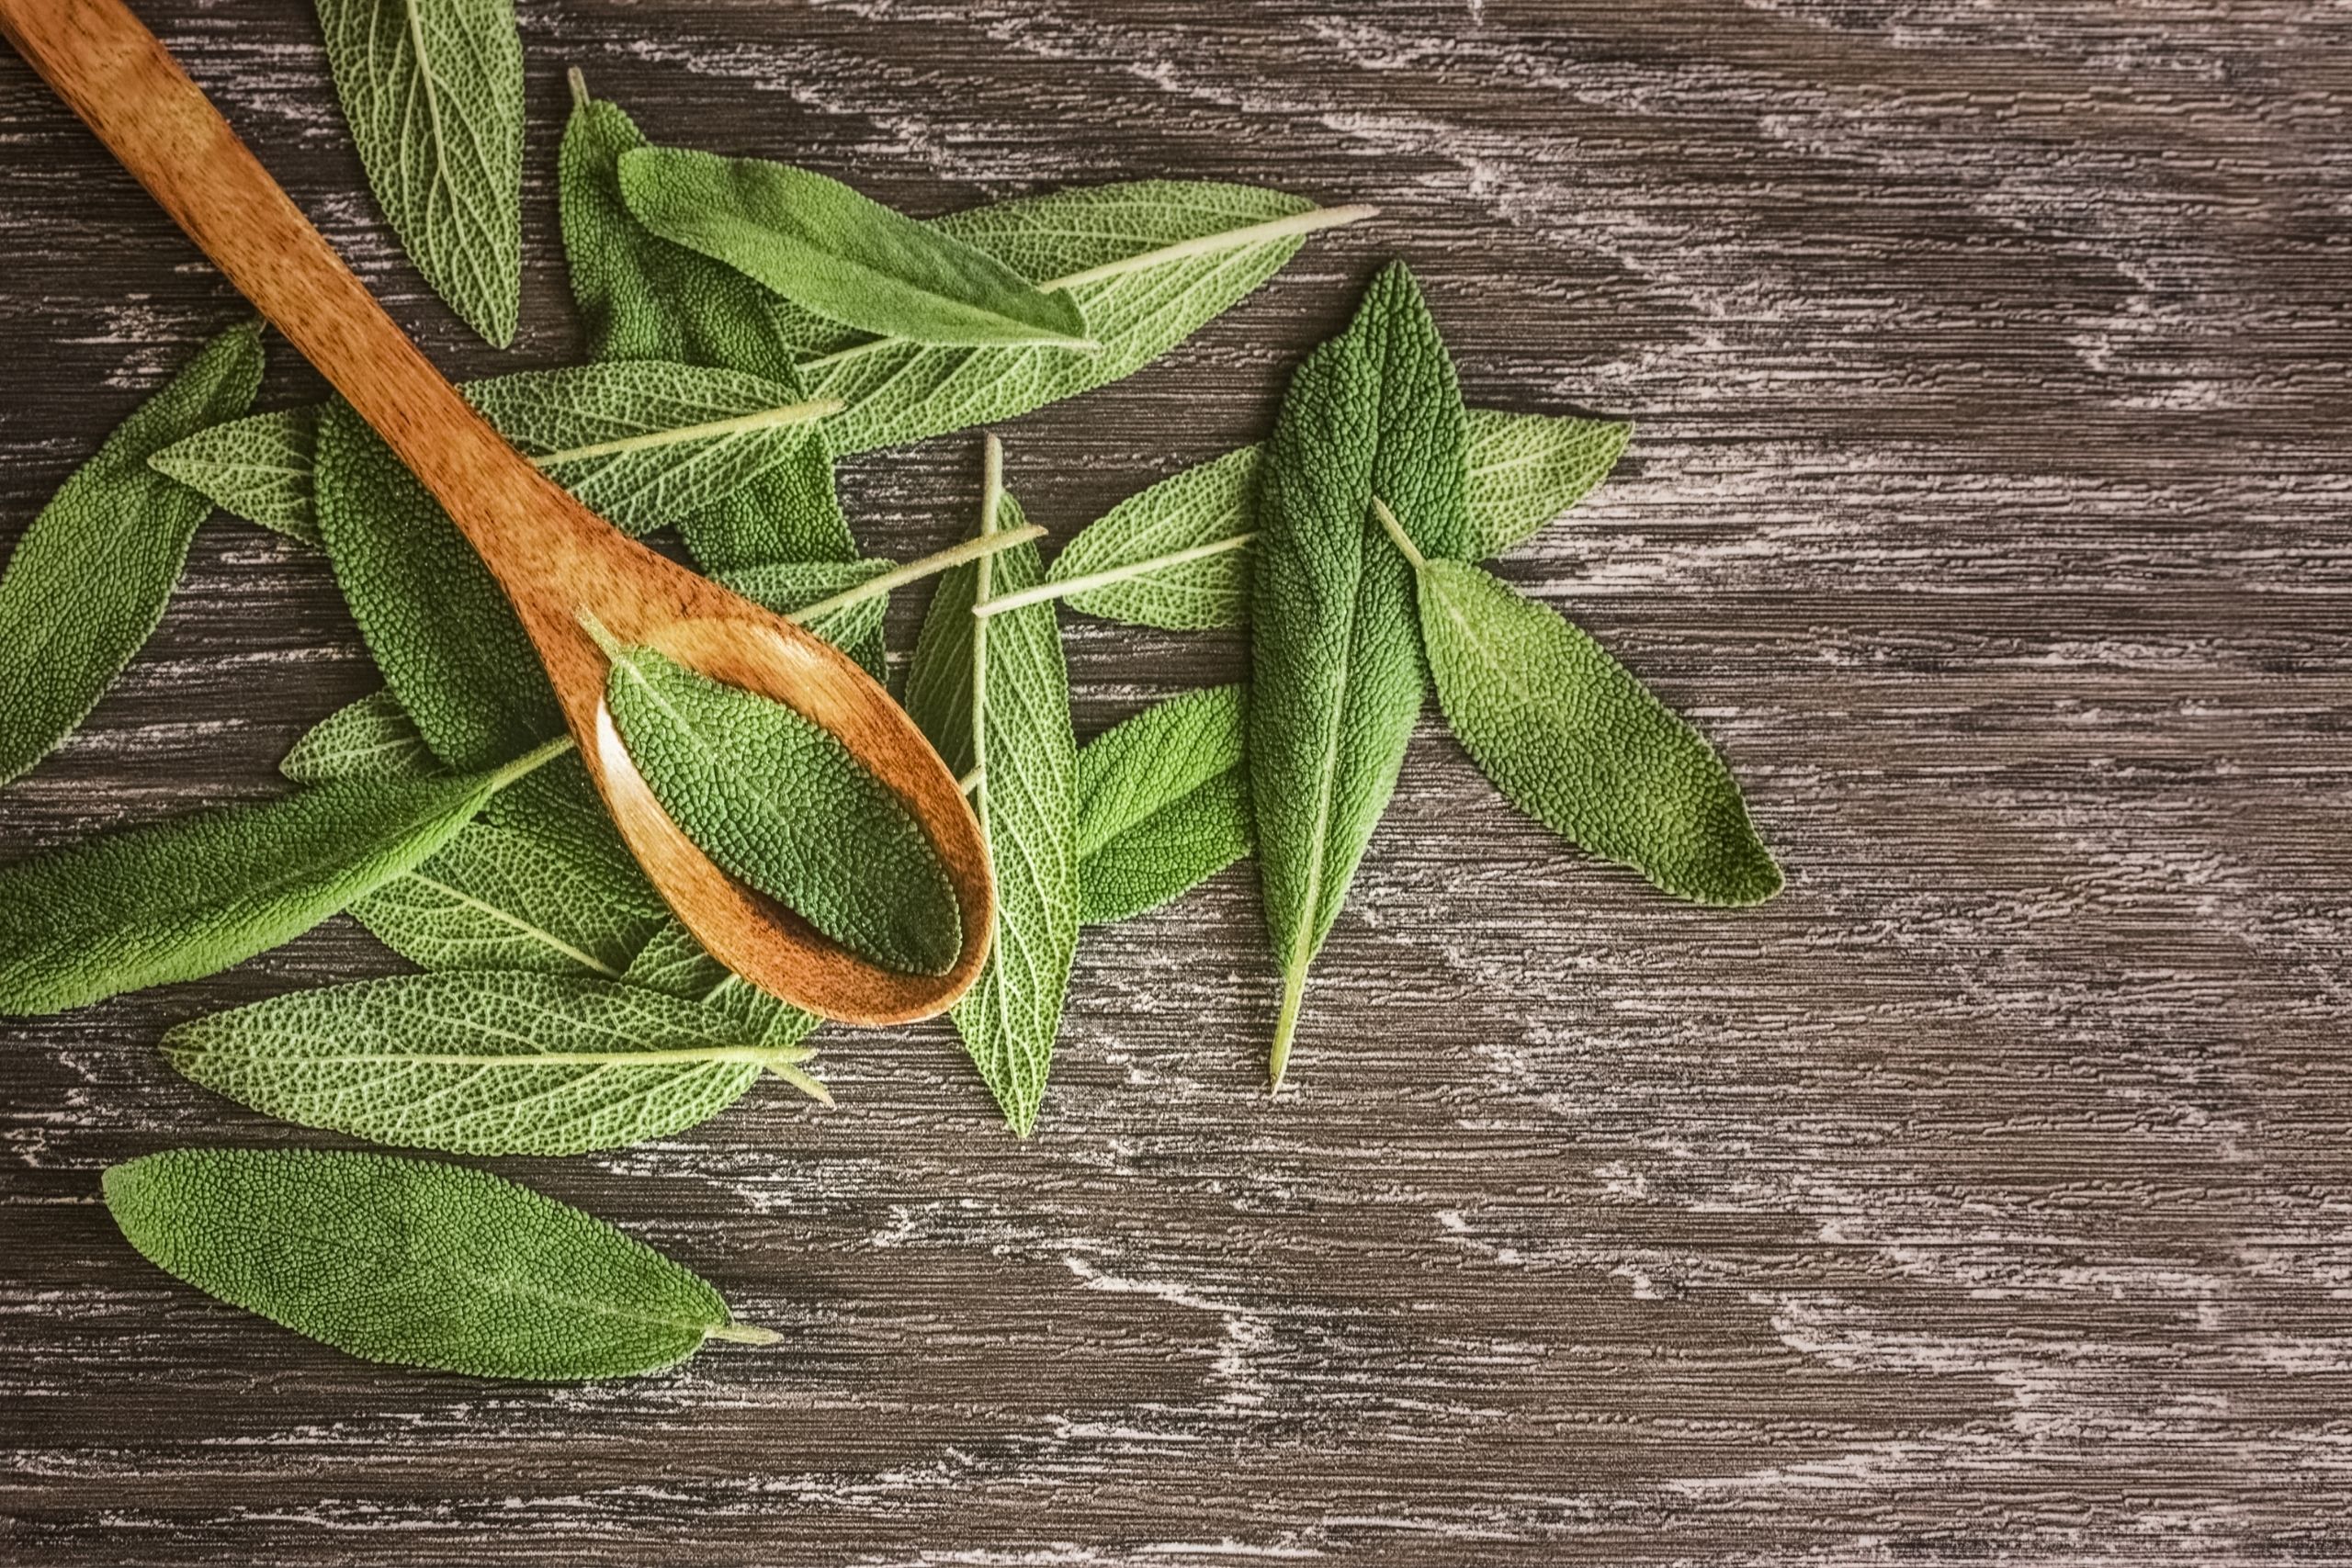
1985 1197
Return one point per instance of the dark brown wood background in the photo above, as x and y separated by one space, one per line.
1986 1198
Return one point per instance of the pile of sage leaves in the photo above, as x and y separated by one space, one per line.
748 325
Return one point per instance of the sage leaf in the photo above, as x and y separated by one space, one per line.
542 882
1335 659
1147 262
1577 743
846 257
994 696
372 737
1176 555
1163 802
88 580
498 897
791 588
674 963
479 1062
643 297
644 444
184 899
779 803
433 90
438 625
259 467
417 1263
1527 468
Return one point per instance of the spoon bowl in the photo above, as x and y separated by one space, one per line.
555 560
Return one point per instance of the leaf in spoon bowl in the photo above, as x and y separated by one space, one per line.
849 258
417 1263
479 1062
780 803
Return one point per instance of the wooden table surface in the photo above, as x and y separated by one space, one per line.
1987 1198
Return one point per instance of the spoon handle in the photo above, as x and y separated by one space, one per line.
126 86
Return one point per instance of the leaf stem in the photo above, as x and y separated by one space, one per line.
1306 223
812 1087
1109 575
1285 1026
742 1333
1396 533
991 503
530 761
579 81
916 570
759 419
971 781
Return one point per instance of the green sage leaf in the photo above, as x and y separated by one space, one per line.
643 297
791 587
1176 555
1147 262
417 1263
644 444
184 899
1163 802
433 91
259 467
438 623
373 738
1577 743
848 258
497 897
479 1062
89 579
1335 663
674 963
779 803
993 694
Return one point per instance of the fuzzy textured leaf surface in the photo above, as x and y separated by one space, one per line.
259 467
191 897
497 897
1527 468
1162 803
89 578
1177 554
1335 658
1018 731
780 803
372 737
643 297
790 587
1580 745
433 91
442 632
479 1062
900 391
646 444
829 250
674 963
417 1263
542 882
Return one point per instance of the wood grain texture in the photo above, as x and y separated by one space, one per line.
1987 1198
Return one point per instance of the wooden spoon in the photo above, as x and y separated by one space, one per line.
554 558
